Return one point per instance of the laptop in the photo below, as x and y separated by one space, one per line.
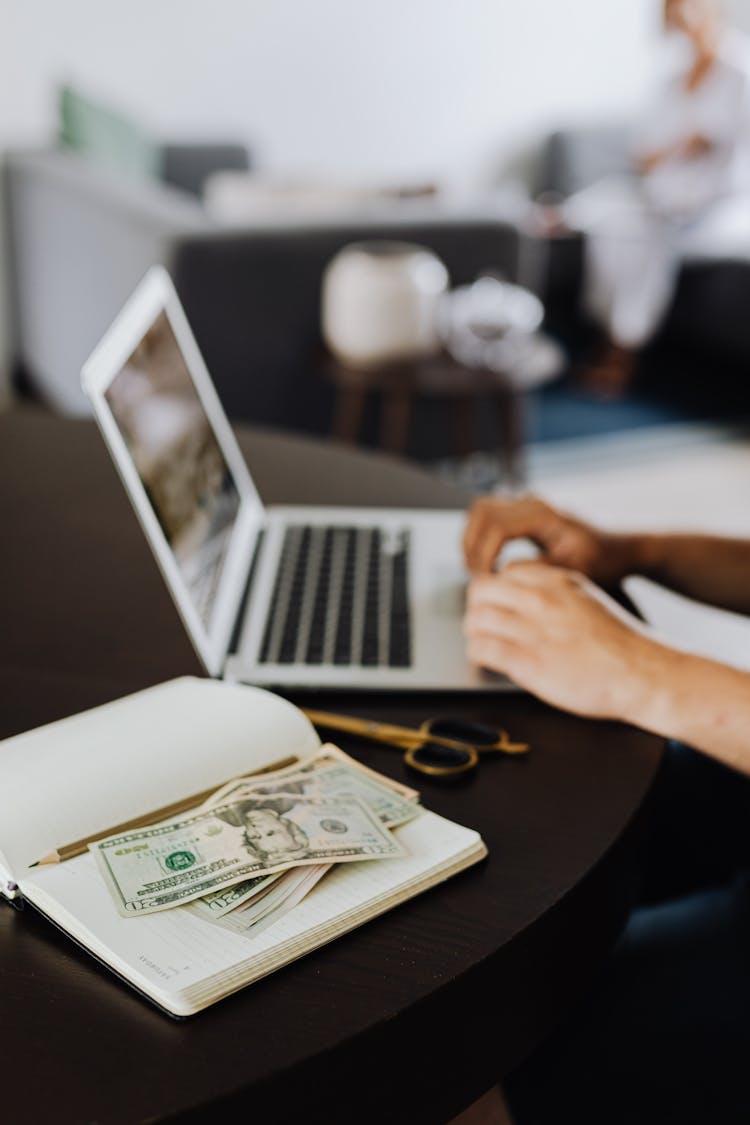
272 595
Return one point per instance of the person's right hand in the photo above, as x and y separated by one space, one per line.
647 162
696 145
559 636
563 540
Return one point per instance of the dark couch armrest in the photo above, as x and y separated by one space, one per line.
187 166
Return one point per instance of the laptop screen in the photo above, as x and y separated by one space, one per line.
179 459
174 449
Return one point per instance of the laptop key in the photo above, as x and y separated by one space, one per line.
282 591
399 648
317 628
340 598
288 645
343 644
371 630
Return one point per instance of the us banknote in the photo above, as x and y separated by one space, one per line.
221 902
172 863
329 751
290 889
324 777
326 773
299 891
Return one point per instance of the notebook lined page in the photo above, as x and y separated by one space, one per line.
170 950
175 951
92 771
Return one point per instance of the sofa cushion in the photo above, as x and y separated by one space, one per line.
571 159
236 198
108 136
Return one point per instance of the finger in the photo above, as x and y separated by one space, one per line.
497 519
487 548
483 538
494 523
484 514
539 574
491 589
495 653
495 621
526 591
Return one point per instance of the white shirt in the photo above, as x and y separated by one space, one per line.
717 109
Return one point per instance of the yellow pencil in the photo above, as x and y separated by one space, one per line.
78 847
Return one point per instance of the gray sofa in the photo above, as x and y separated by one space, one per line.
81 239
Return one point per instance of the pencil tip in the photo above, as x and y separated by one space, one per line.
53 857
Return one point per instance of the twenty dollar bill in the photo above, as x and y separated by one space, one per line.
169 864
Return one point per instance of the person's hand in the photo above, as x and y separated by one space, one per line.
695 146
691 147
557 635
647 162
562 539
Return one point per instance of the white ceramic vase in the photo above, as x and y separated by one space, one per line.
380 302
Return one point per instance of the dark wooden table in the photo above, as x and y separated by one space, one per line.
408 1019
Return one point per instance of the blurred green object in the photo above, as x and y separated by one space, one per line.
108 136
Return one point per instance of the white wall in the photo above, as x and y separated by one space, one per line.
385 89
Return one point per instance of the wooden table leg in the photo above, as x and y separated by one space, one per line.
394 429
462 423
348 410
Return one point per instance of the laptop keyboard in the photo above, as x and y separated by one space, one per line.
340 597
204 584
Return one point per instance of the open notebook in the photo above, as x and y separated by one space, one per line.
86 773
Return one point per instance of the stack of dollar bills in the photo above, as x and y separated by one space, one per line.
259 844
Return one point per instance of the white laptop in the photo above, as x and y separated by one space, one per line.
273 595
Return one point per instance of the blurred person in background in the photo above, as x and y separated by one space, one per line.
663 1038
689 192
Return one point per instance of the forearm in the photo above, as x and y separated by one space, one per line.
696 701
646 162
712 569
691 146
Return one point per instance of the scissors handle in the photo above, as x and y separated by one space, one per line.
411 740
402 738
408 738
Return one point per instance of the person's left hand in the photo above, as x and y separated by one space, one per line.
555 633
696 145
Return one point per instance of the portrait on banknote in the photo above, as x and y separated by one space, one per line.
268 835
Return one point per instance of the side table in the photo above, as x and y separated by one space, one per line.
439 376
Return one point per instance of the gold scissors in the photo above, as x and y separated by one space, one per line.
441 747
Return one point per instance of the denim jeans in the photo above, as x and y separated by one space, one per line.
664 1035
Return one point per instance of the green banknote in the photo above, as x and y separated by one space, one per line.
221 902
325 777
198 854
290 888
